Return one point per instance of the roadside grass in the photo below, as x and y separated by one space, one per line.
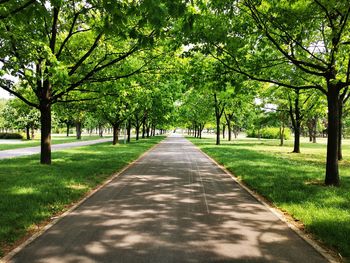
36 142
30 193
292 182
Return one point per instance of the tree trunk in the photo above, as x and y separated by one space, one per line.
100 130
129 130
229 130
332 169
314 134
340 131
45 121
78 128
296 121
28 132
32 132
223 131
282 134
148 130
217 130
143 128
67 125
115 134
137 130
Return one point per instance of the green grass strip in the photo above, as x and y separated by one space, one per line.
292 182
31 194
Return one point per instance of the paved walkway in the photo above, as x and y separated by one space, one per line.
173 205
55 147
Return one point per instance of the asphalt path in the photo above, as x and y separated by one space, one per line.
173 205
55 147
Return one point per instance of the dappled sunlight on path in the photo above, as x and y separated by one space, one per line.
173 205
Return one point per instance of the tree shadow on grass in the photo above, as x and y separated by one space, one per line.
289 184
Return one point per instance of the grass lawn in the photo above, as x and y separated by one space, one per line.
55 140
31 193
292 182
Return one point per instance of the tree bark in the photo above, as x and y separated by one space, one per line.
340 130
78 128
143 128
115 134
282 134
296 121
223 131
67 125
332 169
229 130
28 132
45 121
129 131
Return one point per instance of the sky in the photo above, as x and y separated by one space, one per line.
4 94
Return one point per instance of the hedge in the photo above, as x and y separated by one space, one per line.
269 133
5 135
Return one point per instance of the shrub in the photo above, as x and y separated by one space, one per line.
269 133
5 135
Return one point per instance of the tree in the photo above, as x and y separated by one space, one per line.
299 45
54 47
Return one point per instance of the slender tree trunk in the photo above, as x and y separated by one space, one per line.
314 134
143 128
229 130
282 134
67 127
223 131
296 121
332 169
100 130
32 132
148 131
137 130
78 128
217 130
129 130
28 132
45 121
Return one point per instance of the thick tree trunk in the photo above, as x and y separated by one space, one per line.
297 138
340 131
78 128
28 132
332 169
45 121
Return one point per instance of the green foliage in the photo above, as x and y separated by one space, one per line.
5 135
269 133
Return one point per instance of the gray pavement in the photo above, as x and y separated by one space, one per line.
173 205
36 149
